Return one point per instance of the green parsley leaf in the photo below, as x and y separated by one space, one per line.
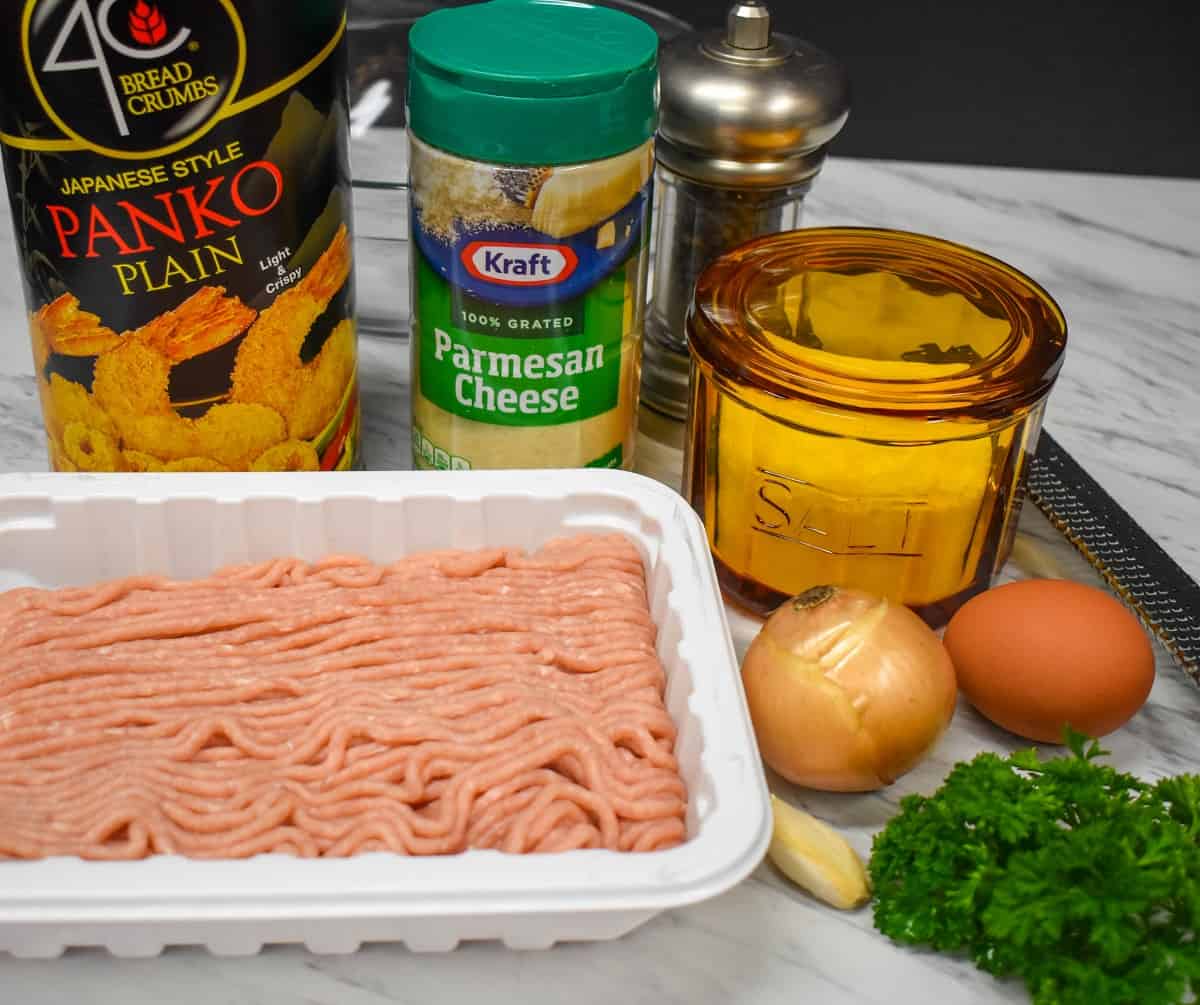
1079 879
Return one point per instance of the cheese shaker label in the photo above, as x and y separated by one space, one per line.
527 309
179 179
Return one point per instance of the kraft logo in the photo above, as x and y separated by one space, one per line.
516 264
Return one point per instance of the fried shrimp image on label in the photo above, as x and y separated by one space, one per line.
62 327
131 384
90 449
236 432
66 404
135 460
292 455
268 370
195 464
322 384
206 320
70 402
59 461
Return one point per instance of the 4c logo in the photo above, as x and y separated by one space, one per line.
98 27
116 76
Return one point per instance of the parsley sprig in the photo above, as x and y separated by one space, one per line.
1081 880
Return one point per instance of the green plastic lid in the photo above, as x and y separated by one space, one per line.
532 81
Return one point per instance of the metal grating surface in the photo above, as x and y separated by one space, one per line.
1165 597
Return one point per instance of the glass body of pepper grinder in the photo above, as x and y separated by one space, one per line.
746 115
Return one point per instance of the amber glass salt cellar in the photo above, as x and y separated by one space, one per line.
863 405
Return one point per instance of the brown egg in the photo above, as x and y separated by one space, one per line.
1036 654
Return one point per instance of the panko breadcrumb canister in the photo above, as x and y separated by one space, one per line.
531 125
180 185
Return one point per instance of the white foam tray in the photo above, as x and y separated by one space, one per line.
73 529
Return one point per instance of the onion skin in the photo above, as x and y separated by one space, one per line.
847 691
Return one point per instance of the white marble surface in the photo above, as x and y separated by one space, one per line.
1122 256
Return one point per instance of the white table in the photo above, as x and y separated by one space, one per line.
1122 256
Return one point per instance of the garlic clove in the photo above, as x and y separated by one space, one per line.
817 858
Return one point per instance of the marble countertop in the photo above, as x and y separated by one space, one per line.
1122 256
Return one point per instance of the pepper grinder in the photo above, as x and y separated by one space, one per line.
745 117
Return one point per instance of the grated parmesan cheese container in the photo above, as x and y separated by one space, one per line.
531 125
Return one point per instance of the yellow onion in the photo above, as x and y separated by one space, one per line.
847 691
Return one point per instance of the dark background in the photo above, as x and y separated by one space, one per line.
1099 86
